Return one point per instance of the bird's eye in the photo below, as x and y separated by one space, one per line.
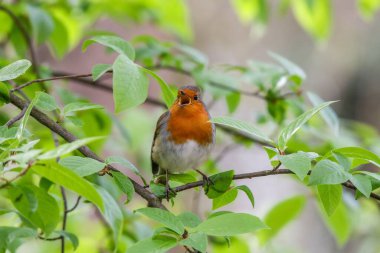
182 93
195 97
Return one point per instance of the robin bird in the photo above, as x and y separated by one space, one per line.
184 136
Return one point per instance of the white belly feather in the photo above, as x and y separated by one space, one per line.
177 158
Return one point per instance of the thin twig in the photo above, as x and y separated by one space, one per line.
16 118
22 173
64 218
50 239
75 205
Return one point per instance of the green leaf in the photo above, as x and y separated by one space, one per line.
42 23
167 93
230 224
248 192
242 127
189 219
124 162
233 101
72 238
220 183
46 102
158 244
43 213
100 69
130 84
224 199
83 166
79 106
328 114
281 215
14 70
368 8
197 241
360 153
299 163
328 172
331 196
67 178
255 11
363 184
314 16
290 67
295 125
4 93
339 223
25 118
124 184
117 44
112 214
164 217
182 178
371 174
9 235
67 148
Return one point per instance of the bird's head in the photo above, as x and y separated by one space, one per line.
188 95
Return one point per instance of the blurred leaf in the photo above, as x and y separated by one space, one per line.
68 179
358 152
46 102
67 148
242 127
130 84
8 235
328 114
291 68
343 160
220 183
25 118
230 224
248 192
100 69
42 23
112 214
79 106
46 214
315 16
363 184
158 244
295 125
14 70
197 241
224 199
299 163
118 44
368 8
182 178
124 184
168 95
4 94
280 215
328 172
339 224
233 101
253 10
83 166
371 174
189 219
331 196
72 238
164 217
194 54
124 162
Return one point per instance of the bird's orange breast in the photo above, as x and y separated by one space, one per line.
190 122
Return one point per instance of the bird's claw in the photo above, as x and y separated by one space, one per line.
168 190
206 180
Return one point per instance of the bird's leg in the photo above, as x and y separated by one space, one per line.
167 187
206 180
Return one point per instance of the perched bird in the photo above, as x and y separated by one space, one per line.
184 136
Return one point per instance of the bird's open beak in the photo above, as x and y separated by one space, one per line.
184 100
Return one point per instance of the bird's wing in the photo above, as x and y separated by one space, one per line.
160 123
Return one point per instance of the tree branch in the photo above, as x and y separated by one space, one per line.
261 174
16 118
152 199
